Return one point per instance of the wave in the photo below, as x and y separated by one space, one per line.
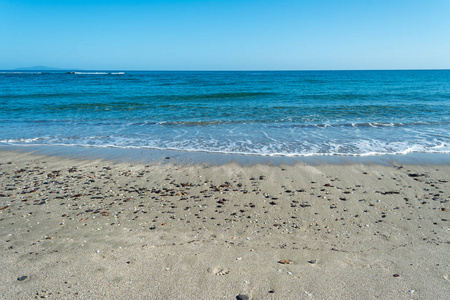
20 141
221 95
277 124
244 146
117 106
193 97
280 123
412 149
96 73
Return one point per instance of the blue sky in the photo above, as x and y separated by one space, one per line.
226 35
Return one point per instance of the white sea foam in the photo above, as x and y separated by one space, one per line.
263 151
247 144
89 73
97 73
22 140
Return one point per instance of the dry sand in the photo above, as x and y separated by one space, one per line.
95 229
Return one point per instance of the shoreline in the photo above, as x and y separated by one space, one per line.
85 227
146 156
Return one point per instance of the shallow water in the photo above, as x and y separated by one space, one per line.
304 113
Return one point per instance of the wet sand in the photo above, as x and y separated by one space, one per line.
81 228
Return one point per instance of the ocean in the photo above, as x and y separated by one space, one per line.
263 113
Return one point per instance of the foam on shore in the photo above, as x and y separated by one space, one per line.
184 157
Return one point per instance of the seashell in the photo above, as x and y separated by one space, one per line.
221 271
285 262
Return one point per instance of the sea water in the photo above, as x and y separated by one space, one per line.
284 113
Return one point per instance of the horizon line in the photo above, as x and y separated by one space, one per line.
221 70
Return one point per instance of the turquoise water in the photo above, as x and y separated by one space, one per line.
294 113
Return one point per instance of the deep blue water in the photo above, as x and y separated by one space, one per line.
262 113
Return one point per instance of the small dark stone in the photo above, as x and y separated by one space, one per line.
312 261
242 297
22 278
415 175
271 291
396 275
167 157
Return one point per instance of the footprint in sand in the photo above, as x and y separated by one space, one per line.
220 271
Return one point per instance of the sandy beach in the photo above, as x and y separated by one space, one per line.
96 229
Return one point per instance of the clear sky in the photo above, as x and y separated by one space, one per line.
225 34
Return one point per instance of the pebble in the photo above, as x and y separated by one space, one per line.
242 297
22 278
